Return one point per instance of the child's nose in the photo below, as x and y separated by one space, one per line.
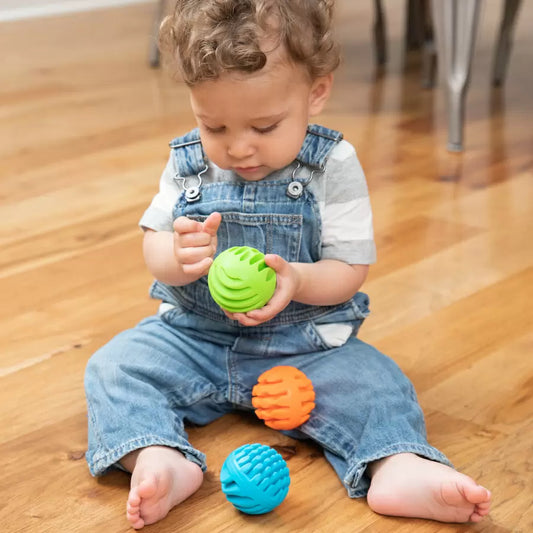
240 148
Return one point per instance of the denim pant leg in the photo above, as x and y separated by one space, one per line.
366 409
143 384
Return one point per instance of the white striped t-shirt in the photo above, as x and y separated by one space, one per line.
341 192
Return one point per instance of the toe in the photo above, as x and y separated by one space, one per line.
483 506
483 509
134 500
135 520
139 524
147 488
477 494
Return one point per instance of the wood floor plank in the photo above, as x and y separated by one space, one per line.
54 244
436 347
462 269
427 235
494 397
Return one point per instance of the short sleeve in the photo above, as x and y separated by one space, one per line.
158 216
347 231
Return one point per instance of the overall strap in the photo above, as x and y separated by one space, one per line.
188 155
190 159
318 144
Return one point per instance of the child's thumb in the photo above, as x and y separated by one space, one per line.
212 222
275 261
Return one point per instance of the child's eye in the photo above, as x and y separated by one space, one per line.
220 129
268 129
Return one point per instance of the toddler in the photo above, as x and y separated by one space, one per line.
256 173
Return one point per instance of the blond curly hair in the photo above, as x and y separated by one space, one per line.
205 38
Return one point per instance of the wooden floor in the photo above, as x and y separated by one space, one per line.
84 126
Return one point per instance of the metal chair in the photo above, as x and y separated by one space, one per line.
454 23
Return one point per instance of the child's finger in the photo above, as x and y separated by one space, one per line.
198 269
192 255
211 223
258 316
186 225
228 314
275 305
194 239
245 320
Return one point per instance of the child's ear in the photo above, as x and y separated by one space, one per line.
320 91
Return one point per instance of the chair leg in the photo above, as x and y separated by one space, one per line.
429 63
429 53
455 23
414 24
153 55
503 48
380 34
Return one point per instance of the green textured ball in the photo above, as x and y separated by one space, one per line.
239 279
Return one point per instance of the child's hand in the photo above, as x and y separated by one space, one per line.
195 244
287 281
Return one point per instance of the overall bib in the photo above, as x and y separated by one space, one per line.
190 363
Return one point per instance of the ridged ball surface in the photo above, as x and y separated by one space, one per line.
255 478
283 397
239 279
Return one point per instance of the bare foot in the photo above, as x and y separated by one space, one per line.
161 478
409 485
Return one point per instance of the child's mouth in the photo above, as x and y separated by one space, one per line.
246 170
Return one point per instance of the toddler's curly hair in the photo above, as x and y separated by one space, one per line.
205 38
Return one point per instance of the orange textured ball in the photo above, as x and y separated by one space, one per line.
283 397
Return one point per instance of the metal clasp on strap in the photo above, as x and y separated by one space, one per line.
295 188
192 192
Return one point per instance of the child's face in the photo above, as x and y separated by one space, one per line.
256 123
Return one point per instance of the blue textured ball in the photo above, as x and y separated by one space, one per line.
255 478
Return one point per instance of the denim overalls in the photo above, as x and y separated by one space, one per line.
190 362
